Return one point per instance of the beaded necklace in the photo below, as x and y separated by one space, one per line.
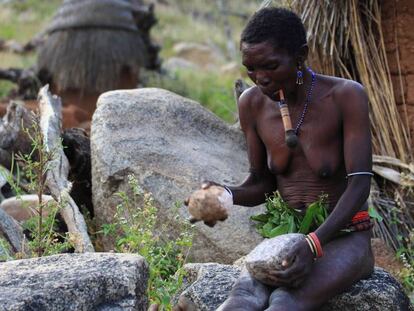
307 101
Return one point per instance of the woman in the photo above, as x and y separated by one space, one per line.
332 156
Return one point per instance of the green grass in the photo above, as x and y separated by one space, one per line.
211 89
5 88
21 21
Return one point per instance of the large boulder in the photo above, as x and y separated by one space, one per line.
91 281
208 285
171 144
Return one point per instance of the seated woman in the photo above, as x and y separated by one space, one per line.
332 156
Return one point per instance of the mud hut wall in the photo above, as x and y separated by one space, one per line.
398 29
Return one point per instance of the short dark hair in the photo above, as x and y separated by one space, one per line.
282 27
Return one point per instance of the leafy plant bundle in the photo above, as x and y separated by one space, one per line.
280 219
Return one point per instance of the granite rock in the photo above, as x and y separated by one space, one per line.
171 144
89 281
208 286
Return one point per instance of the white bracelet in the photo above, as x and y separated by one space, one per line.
359 173
228 190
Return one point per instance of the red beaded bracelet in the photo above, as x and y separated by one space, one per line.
316 243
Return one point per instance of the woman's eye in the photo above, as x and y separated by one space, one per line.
250 69
272 67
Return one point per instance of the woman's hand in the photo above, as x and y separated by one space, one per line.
210 204
298 264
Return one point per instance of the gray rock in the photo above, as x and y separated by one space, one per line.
269 256
90 281
171 144
200 54
378 293
11 231
210 285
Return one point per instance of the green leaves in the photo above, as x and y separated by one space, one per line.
280 219
373 213
135 230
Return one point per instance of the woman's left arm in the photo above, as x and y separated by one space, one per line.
353 102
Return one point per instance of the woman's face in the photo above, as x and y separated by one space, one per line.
270 68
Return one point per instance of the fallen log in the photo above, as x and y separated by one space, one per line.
13 233
12 46
28 83
57 176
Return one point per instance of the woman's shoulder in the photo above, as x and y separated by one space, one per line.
250 98
341 87
344 91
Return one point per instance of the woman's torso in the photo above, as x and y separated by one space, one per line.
316 165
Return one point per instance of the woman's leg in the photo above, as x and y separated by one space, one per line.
345 261
247 295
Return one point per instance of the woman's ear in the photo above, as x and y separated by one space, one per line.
302 54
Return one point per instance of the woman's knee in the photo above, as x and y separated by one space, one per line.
283 300
247 294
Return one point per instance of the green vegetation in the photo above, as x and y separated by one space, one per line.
134 231
280 219
45 238
5 88
5 253
212 90
406 275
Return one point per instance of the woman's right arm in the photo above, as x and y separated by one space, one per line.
260 181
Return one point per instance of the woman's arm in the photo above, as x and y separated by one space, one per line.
353 103
260 181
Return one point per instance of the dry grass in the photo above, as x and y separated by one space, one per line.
347 39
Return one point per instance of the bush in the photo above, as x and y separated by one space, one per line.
134 231
44 236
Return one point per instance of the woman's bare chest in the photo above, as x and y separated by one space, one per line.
320 140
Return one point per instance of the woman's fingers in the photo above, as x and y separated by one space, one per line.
290 273
288 280
208 183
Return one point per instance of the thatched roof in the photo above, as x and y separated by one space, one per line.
89 43
115 14
90 59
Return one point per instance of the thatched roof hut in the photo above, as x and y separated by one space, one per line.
97 45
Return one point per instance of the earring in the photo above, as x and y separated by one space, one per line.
299 75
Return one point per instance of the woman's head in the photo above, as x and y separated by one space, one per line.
280 27
274 49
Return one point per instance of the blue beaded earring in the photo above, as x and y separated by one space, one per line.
299 75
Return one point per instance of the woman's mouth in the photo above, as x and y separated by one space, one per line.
273 93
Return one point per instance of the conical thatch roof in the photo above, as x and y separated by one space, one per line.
89 44
114 14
